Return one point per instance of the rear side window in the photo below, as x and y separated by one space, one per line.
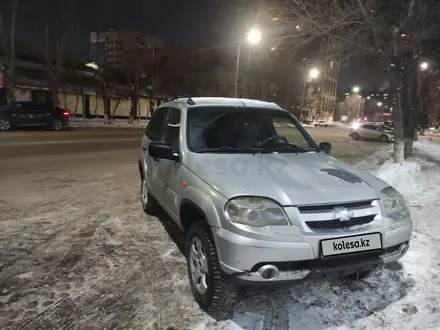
155 126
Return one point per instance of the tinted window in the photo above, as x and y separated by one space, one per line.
155 126
240 129
372 127
172 128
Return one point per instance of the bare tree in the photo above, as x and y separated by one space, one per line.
58 25
8 67
392 31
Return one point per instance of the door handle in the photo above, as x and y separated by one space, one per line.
156 160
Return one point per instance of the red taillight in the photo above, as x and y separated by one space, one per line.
66 113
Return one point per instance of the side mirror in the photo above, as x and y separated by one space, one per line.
326 147
162 150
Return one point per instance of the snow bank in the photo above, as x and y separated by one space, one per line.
99 122
402 176
405 295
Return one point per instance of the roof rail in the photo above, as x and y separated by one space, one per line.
189 100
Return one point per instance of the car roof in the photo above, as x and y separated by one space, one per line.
185 103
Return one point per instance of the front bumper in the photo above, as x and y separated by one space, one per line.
243 260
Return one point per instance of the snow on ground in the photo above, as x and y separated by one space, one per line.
99 122
77 252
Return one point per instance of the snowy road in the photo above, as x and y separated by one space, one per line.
77 252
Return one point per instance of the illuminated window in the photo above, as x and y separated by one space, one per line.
275 19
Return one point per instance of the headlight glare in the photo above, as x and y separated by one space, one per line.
255 211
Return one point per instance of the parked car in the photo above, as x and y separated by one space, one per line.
33 114
260 202
371 131
321 123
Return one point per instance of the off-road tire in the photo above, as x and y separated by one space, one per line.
151 206
383 139
220 295
355 136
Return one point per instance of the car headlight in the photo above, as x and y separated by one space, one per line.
255 211
393 204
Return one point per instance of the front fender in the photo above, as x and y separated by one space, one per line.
211 204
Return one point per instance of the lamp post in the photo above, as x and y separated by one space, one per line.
253 38
313 74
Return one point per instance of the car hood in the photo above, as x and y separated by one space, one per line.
290 179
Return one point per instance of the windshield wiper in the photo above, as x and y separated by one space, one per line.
295 148
238 150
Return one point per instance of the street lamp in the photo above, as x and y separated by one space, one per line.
313 74
424 66
356 89
253 38
379 104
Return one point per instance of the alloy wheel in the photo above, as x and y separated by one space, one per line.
198 265
5 125
144 192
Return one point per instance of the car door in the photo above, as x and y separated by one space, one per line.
42 114
369 131
154 133
21 114
169 170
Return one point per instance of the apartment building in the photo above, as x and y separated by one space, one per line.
121 49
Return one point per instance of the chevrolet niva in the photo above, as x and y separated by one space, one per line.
260 202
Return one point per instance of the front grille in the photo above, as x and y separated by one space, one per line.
337 224
331 207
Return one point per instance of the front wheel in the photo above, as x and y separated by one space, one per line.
355 136
384 139
149 203
5 125
209 289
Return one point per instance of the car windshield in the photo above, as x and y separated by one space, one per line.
243 130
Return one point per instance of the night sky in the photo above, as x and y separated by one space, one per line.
177 22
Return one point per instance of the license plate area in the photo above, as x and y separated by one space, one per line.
351 244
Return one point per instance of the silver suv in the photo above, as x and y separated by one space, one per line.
260 202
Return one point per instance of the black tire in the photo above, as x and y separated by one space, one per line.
149 203
219 295
57 125
355 136
383 139
5 125
359 276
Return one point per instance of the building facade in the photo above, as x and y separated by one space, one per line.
123 49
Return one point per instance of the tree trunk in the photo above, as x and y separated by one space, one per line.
106 104
396 80
10 86
134 105
410 101
54 86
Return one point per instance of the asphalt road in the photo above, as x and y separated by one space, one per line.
78 252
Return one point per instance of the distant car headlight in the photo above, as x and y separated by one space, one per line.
255 211
393 204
